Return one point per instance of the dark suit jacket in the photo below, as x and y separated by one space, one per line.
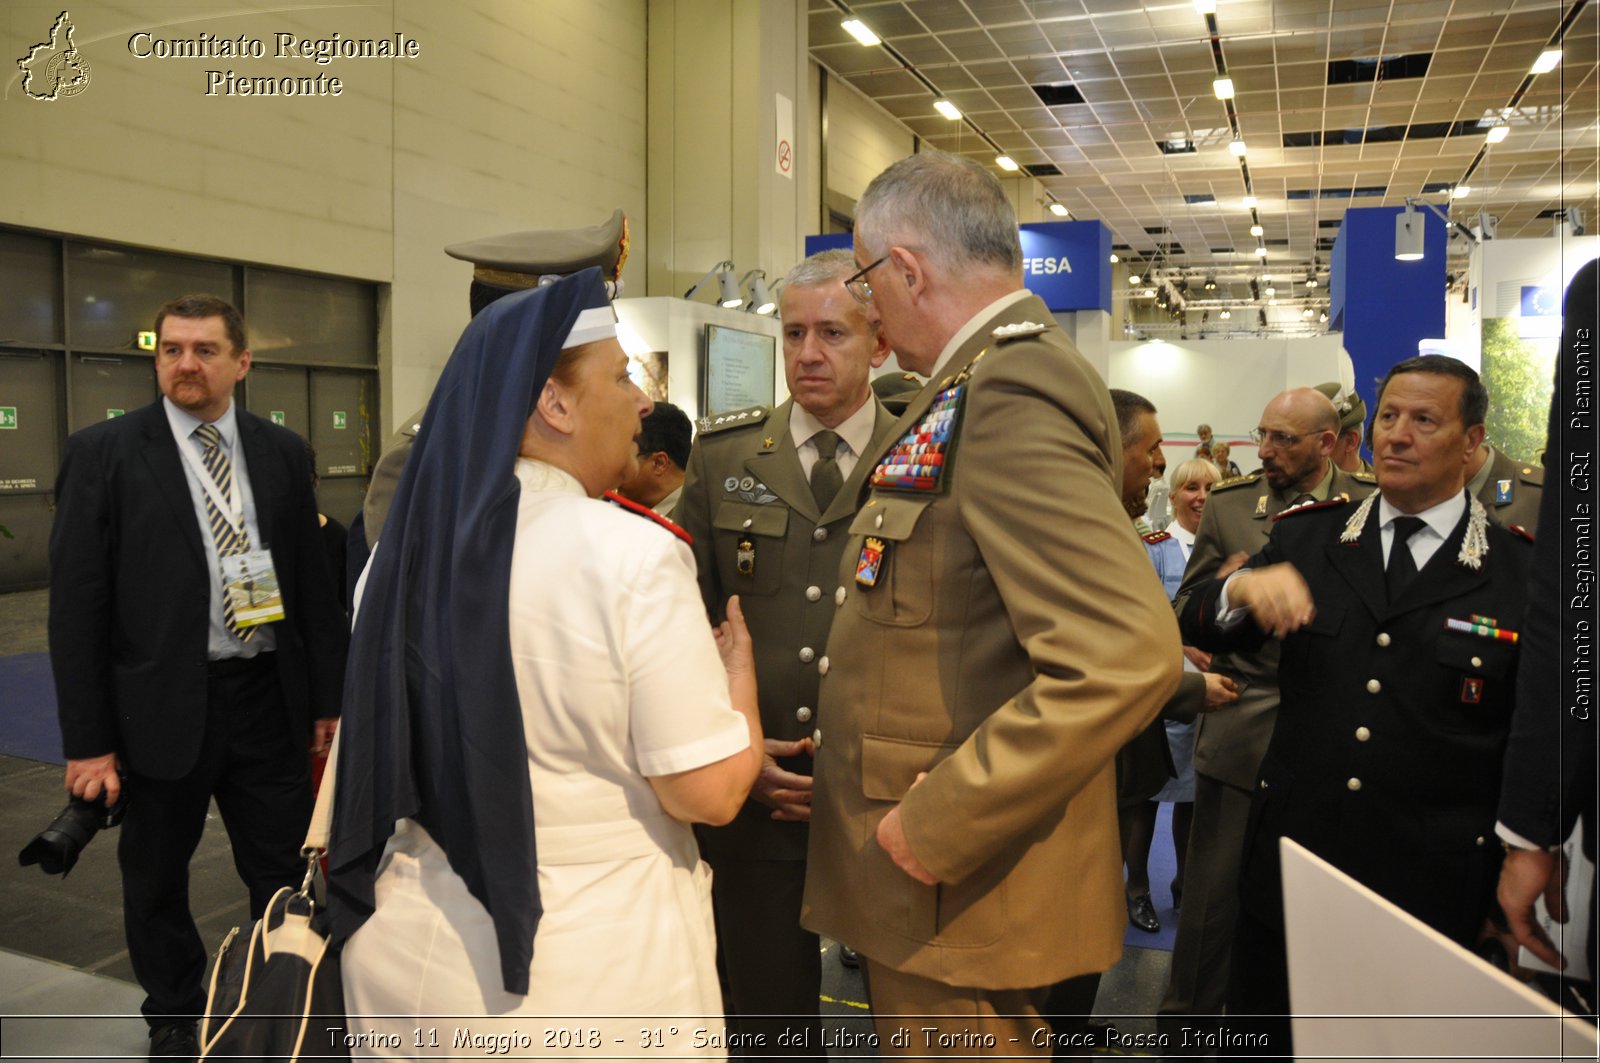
1385 760
1550 760
130 593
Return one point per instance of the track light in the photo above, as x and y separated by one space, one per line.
1236 145
761 301
1547 61
1223 87
1497 133
1306 312
858 29
1256 230
1149 293
728 287
1408 234
1133 278
1226 314
948 109
1311 280
1211 283
1323 317
1007 163
1261 252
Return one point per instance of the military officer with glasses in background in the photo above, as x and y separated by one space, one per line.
1295 439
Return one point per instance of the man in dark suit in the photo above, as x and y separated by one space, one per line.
176 666
1396 676
769 512
1550 759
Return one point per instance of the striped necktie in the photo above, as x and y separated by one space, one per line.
229 540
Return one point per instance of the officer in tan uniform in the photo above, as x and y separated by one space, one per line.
1510 490
1352 427
768 497
995 643
1296 436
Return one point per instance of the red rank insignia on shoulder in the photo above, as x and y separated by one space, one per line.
649 514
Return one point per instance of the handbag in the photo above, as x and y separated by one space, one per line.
276 992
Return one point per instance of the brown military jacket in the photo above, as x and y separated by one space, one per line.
745 491
1510 491
1230 742
1010 643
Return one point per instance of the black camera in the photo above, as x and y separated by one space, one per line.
56 848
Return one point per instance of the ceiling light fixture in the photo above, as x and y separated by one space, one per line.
1311 280
1226 314
1256 230
1150 292
1271 290
1114 259
1460 191
948 109
1306 312
1133 278
1211 283
1223 87
1323 316
1408 234
1261 252
1497 133
1007 163
1236 145
1548 60
1249 202
1060 211
1206 7
858 29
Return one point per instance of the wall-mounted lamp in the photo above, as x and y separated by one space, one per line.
727 286
761 301
1408 234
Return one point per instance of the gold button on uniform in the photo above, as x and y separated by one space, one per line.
1354 784
813 594
1373 686
1477 662
1383 638
803 713
1362 734
807 655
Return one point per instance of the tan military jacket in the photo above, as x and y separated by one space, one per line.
1510 491
1015 638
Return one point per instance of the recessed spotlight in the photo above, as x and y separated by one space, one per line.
1547 61
948 109
1249 202
1058 209
1006 162
858 29
1256 230
1236 145
1223 87
1497 133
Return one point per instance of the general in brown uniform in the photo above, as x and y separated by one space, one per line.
996 618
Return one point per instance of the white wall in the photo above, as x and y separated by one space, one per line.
517 114
1223 383
678 326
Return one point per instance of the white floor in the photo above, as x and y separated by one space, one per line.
52 1012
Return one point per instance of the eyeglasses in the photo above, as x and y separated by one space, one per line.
858 285
1279 440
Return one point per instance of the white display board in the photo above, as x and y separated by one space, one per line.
1367 980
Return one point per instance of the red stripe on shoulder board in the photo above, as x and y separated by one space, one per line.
1520 530
649 514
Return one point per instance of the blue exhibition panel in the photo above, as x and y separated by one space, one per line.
1382 305
1065 263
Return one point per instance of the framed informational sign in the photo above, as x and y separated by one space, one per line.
740 369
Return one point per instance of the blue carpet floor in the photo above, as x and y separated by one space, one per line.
28 725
